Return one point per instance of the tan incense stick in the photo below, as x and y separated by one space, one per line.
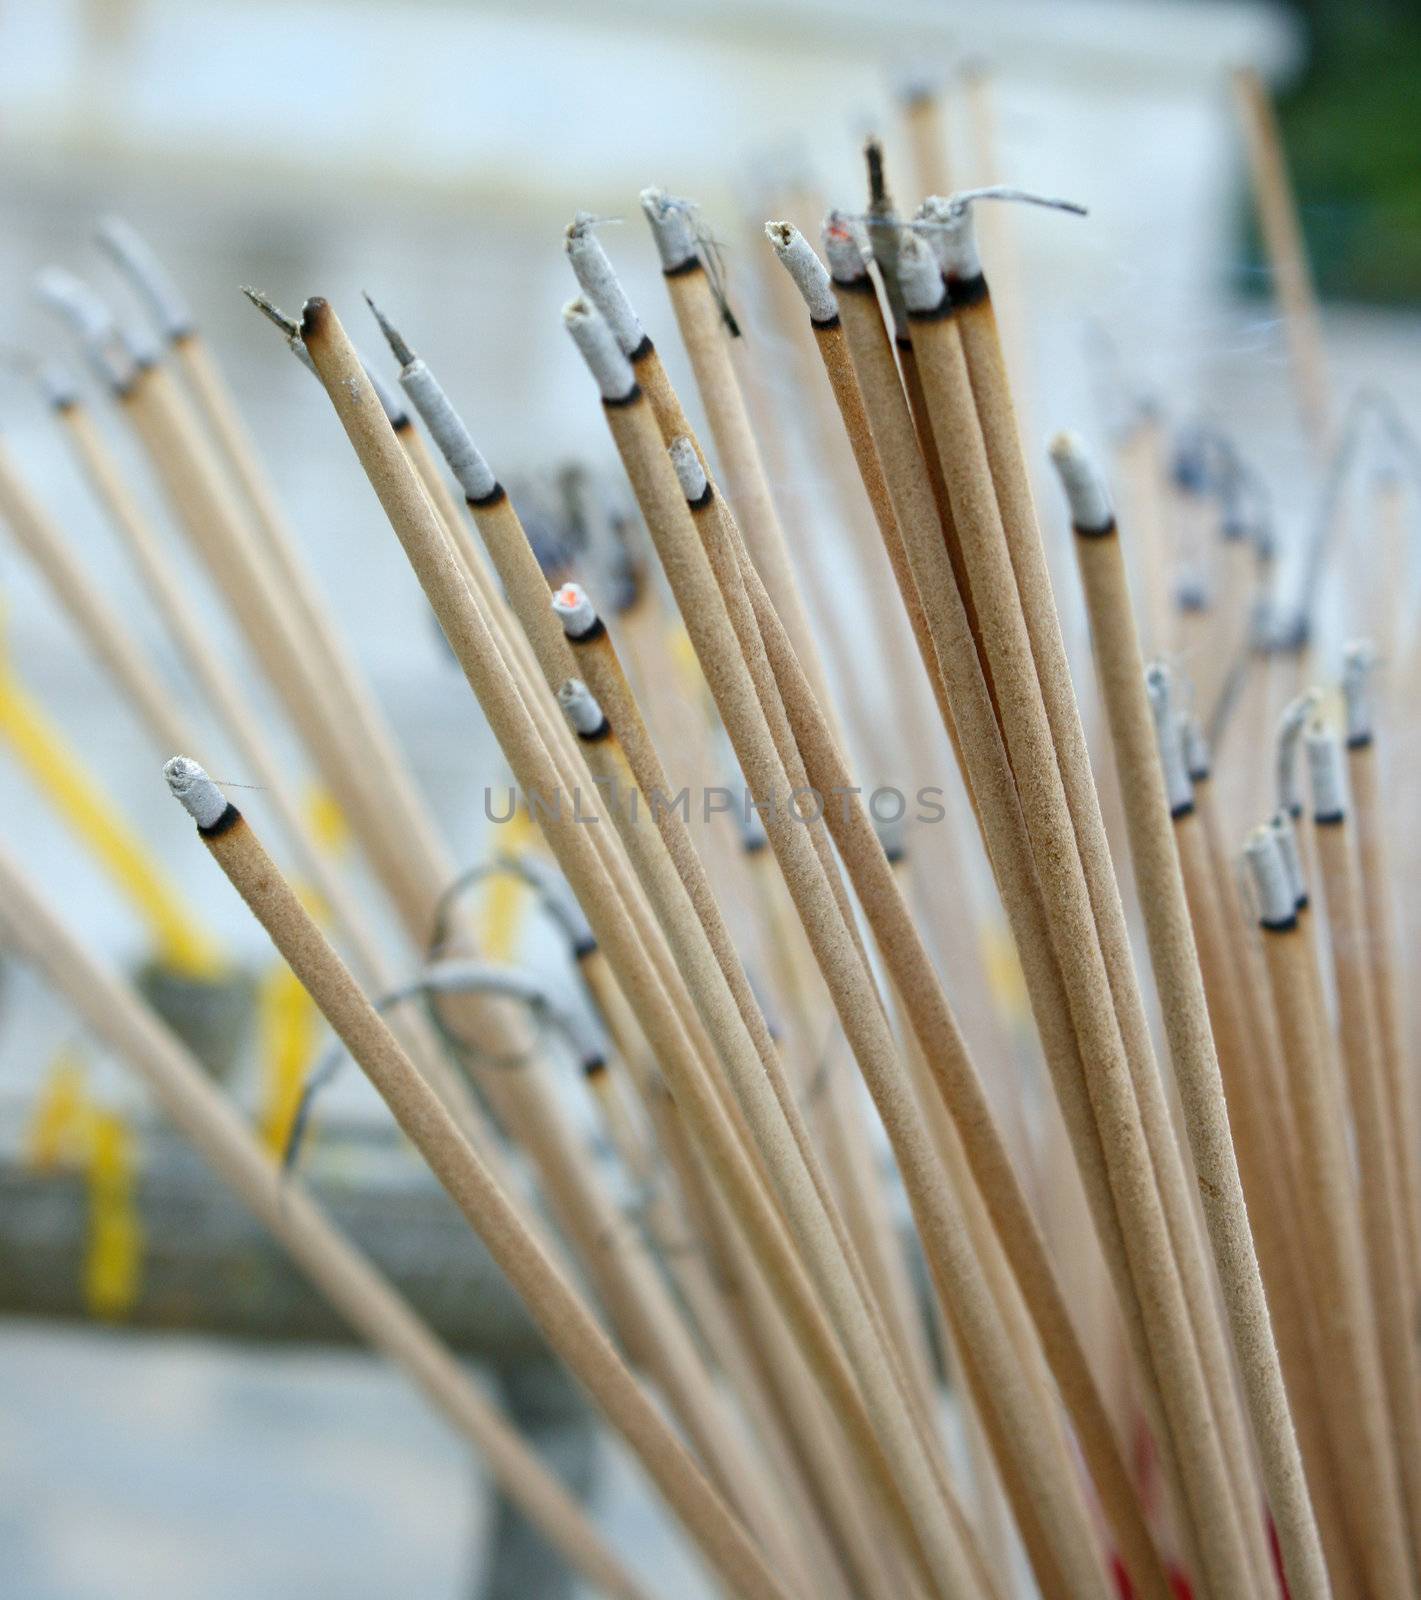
1121 673
339 1271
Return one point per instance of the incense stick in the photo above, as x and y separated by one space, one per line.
1336 1253
1360 1048
1153 854
410 516
1072 913
564 1319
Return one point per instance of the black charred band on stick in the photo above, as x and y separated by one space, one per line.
1379 886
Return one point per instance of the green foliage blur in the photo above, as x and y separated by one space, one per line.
1352 130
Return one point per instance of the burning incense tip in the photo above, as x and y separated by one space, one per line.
1268 872
1326 771
1178 783
953 236
1287 836
810 277
846 248
1359 658
581 709
1196 749
689 471
599 282
402 352
204 801
1086 494
1290 728
576 611
314 315
593 336
919 276
672 227
138 262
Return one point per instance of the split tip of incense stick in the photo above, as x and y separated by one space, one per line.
575 610
1083 483
689 472
1359 659
1326 772
580 707
402 352
953 236
446 427
1268 872
1179 786
288 326
809 273
593 336
672 227
1290 730
845 247
200 796
273 312
139 263
1197 756
598 280
919 276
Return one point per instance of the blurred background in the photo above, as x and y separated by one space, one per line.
431 154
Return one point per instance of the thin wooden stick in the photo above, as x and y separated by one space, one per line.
1154 857
93 616
219 688
1150 1238
629 761
1360 1047
1287 254
359 1293
986 768
982 356
566 1323
1259 1116
1364 783
927 137
626 1278
467 631
704 333
1336 1253
663 505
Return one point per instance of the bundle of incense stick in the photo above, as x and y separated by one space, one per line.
927 1151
